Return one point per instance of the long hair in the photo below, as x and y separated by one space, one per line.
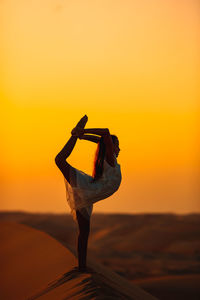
100 156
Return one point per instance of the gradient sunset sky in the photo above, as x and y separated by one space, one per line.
131 66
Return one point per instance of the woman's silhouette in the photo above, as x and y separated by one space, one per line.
83 190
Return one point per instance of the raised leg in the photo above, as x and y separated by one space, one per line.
61 157
69 146
82 122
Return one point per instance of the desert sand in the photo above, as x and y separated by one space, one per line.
36 266
157 252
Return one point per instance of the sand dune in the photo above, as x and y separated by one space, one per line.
158 252
36 266
171 287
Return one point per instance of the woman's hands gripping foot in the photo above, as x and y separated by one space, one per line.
79 129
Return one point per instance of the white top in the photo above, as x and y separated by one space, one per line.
86 192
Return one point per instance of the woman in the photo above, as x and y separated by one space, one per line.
83 190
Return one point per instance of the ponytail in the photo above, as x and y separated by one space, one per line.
99 158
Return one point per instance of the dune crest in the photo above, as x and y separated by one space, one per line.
36 266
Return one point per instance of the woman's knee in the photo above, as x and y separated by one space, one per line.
64 167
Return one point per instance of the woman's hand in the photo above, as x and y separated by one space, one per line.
77 131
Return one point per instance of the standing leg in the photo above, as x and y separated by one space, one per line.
84 230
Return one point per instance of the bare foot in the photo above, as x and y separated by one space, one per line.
82 122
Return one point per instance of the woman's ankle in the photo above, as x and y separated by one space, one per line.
82 268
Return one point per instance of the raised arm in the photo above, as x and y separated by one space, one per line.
89 137
105 133
97 131
93 135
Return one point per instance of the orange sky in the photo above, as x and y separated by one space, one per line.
131 67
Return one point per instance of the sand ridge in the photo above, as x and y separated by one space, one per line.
157 252
36 266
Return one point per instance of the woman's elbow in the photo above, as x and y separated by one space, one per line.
107 132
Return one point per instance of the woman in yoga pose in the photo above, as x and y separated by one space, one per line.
82 190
